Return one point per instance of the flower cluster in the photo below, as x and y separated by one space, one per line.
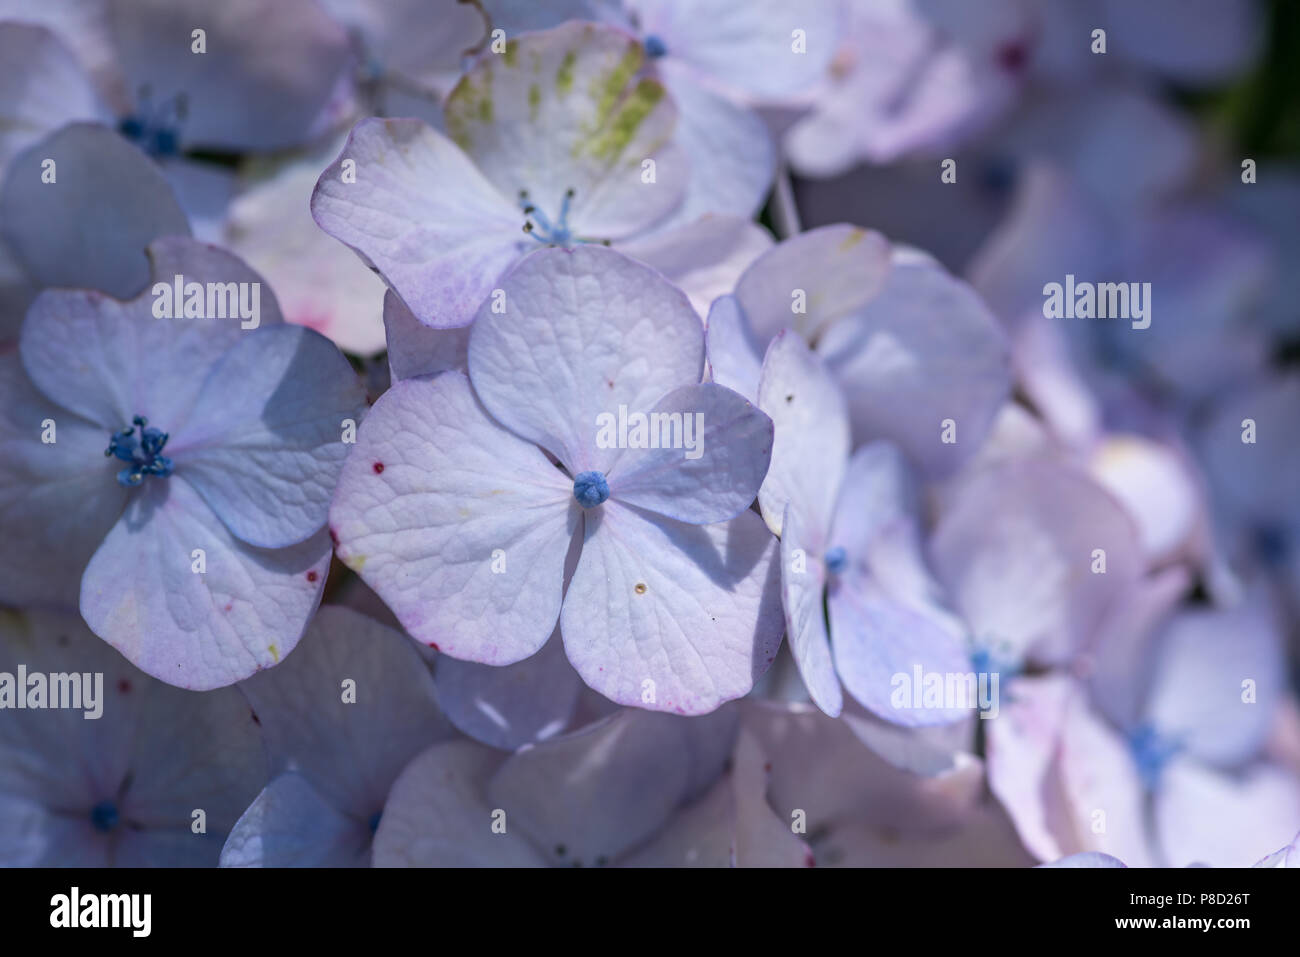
644 433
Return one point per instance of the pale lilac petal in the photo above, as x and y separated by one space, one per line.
510 706
264 443
438 814
731 156
460 527
415 349
1205 817
1016 553
714 478
838 269
876 639
110 361
347 710
811 447
923 351
735 352
290 825
422 214
564 110
930 751
1157 486
1219 681
1087 859
42 88
74 232
803 590
672 617
748 47
197 629
278 65
620 780
584 331
703 258
57 500
1288 856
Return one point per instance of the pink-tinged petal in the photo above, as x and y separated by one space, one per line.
1020 553
669 616
924 327
265 442
156 752
703 258
803 591
42 88
564 110
73 232
1093 793
812 280
459 526
584 332
514 705
1206 817
110 361
291 825
1218 681
320 283
735 352
884 648
278 65
811 448
349 741
439 815
57 500
243 610
620 779
711 479
415 349
422 214
731 156
749 48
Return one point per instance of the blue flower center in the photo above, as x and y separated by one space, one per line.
655 47
155 129
986 659
539 226
837 559
1151 751
104 816
142 453
590 489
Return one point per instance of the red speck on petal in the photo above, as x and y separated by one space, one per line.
434 646
229 605
379 468
768 767
256 720
124 686
312 576
809 860
334 537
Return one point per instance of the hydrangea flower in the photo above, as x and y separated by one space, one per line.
451 508
173 473
340 717
555 141
1166 740
888 326
124 789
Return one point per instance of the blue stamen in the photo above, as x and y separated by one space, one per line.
156 131
142 454
104 816
590 489
837 559
540 227
655 47
1151 752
